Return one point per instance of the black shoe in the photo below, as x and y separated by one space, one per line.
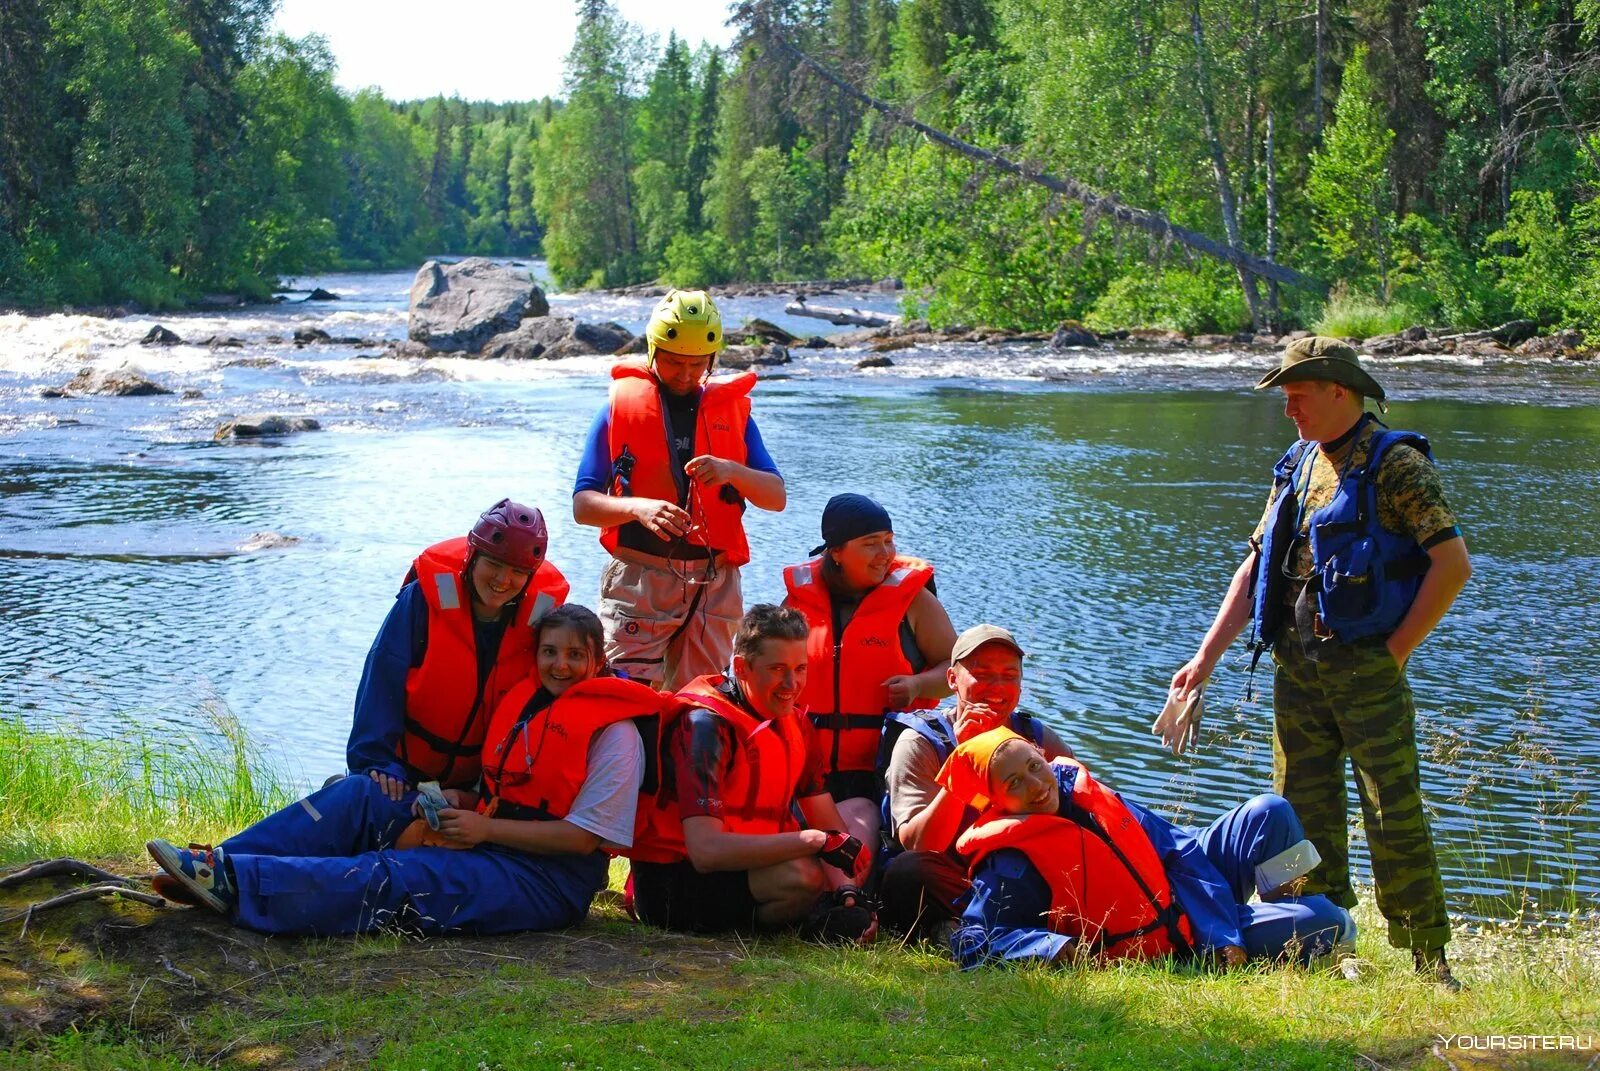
1432 965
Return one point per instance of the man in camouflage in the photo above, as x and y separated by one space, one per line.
1333 698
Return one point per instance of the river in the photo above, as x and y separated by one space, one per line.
1094 501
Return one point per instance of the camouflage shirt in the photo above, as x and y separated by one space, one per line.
1411 499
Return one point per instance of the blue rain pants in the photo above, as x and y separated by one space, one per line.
325 866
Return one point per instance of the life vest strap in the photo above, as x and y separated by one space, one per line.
440 744
842 722
499 807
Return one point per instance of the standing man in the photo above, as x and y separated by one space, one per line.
667 470
1355 561
925 881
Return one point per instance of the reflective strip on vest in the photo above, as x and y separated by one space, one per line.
449 598
894 578
801 576
541 606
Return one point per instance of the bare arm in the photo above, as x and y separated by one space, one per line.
1448 571
542 838
659 517
712 848
930 624
763 490
1232 617
934 828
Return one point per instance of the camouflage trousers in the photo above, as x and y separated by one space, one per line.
1356 702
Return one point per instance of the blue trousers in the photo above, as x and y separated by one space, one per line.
1238 842
326 865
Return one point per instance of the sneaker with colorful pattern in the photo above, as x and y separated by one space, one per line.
201 870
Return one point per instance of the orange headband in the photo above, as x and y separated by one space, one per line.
966 771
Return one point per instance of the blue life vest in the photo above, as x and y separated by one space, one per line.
934 727
1364 577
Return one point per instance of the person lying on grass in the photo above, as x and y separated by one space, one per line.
563 764
1062 867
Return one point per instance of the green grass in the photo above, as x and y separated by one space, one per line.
96 985
66 793
1357 316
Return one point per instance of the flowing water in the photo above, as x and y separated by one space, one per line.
1095 501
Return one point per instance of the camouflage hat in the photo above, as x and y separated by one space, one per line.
1321 358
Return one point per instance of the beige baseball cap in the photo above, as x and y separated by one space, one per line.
978 635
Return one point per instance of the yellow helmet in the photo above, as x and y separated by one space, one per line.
686 322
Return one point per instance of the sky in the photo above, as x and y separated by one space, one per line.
496 50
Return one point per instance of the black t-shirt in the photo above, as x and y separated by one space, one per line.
681 413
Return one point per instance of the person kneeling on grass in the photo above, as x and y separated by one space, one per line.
721 847
563 763
1062 866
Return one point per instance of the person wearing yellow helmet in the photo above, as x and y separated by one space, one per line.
669 466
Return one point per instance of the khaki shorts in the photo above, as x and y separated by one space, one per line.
668 624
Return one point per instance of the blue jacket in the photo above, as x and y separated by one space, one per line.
1364 576
1002 918
381 697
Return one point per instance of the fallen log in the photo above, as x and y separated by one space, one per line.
841 316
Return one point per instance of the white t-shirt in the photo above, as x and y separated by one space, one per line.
609 797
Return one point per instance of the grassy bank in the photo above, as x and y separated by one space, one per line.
121 985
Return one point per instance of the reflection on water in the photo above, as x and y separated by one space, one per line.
1100 519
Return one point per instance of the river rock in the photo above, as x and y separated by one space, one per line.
160 336
1072 334
638 345
1416 333
815 342
304 336
320 294
267 541
1561 344
1214 341
876 361
742 357
261 425
461 307
192 394
766 331
1158 336
227 342
121 382
1294 336
1514 331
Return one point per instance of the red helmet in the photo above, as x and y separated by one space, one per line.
511 532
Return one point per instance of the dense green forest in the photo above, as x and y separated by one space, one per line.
1418 160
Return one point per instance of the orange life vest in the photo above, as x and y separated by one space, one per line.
535 759
446 711
1107 886
758 791
845 674
645 466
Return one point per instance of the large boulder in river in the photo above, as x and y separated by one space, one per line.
160 336
122 382
263 425
460 307
1072 334
553 337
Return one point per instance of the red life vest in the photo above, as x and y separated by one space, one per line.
758 791
639 425
845 674
535 759
446 713
1107 887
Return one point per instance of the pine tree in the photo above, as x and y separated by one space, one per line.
1348 185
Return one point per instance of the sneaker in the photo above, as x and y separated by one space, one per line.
202 871
1432 966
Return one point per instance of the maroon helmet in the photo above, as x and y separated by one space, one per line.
511 532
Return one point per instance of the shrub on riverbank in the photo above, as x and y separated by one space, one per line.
66 793
1357 316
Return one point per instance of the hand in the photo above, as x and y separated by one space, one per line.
1179 721
1400 656
902 690
393 787
461 798
661 518
1233 956
842 851
710 471
974 718
464 827
1191 676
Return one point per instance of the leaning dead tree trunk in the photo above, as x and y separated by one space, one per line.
1219 165
841 316
1105 204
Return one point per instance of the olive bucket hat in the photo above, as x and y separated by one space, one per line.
1320 357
